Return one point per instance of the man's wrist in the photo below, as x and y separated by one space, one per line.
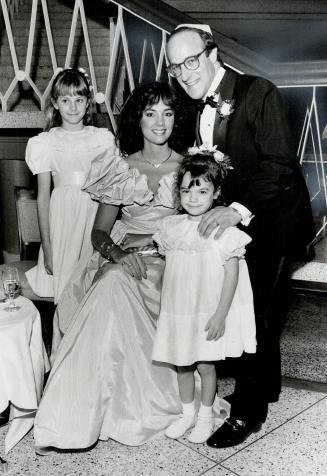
245 214
236 211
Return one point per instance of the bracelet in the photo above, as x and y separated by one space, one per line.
108 248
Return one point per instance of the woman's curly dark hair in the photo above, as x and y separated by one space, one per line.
129 136
200 165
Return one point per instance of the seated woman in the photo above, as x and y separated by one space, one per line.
103 384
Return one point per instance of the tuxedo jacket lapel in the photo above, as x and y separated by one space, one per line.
226 91
198 139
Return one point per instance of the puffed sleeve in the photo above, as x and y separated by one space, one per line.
106 138
232 243
38 155
161 235
111 181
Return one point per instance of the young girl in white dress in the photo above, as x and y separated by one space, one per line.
206 304
62 156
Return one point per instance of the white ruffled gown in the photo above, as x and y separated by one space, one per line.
103 383
68 155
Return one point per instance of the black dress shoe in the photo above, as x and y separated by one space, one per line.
260 413
232 433
229 398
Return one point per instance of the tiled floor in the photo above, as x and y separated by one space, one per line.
315 270
321 247
292 442
304 339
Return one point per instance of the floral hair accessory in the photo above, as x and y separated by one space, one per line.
211 151
85 74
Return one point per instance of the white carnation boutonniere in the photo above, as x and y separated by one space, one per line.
225 108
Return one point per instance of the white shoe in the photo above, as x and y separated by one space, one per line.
203 429
179 427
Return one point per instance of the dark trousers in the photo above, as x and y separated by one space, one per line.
258 376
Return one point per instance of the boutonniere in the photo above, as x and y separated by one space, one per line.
226 108
223 107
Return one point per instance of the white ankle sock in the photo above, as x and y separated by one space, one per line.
205 412
204 425
186 421
188 408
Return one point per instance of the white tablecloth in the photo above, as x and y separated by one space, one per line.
23 363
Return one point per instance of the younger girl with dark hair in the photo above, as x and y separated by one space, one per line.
62 156
206 303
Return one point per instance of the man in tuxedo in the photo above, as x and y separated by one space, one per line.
266 194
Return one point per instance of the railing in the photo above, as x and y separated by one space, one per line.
311 139
119 47
160 20
138 32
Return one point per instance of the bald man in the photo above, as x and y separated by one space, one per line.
266 195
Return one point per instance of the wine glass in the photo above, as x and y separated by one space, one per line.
10 283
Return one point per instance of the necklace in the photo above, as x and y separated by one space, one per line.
156 166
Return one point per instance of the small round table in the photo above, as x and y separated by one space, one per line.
23 363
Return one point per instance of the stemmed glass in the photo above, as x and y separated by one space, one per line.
10 283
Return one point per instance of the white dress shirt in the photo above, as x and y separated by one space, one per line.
207 121
208 115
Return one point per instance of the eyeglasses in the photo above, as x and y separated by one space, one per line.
191 63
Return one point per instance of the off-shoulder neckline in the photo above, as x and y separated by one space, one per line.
160 183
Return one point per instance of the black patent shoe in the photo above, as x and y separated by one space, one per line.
229 398
232 433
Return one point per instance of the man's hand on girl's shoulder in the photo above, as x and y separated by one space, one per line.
221 217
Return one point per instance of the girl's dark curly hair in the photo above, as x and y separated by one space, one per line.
70 82
129 136
200 165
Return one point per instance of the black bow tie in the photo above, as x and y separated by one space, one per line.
209 100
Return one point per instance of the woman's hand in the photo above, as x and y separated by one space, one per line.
215 327
132 263
135 240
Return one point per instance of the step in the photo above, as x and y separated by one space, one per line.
57 21
312 276
46 71
42 83
98 59
42 56
98 31
60 37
